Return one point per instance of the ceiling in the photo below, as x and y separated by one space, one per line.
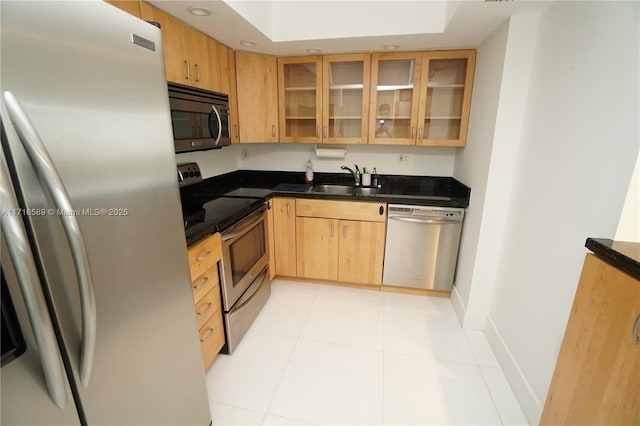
290 27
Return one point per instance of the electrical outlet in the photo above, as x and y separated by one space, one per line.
404 159
245 154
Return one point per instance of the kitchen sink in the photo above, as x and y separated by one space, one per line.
345 190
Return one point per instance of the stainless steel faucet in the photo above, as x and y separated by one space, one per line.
356 174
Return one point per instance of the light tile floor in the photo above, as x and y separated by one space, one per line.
327 355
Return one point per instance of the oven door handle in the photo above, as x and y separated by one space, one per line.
242 303
243 227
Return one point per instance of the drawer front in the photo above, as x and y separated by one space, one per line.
209 304
348 210
212 338
203 255
205 283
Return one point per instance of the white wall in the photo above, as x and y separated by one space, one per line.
500 90
629 225
577 150
429 161
215 162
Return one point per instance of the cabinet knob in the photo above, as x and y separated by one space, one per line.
381 210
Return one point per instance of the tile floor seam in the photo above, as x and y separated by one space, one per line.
297 341
493 400
421 356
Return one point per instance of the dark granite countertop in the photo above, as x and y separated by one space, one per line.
419 190
621 254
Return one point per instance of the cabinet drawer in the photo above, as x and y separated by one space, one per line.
212 338
349 210
203 255
206 307
205 283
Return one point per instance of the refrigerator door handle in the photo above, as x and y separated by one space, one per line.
46 169
22 258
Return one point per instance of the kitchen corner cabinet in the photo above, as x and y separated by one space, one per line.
205 283
340 240
284 223
256 77
132 7
596 379
300 98
421 98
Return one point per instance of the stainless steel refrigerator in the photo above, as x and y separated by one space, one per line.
97 307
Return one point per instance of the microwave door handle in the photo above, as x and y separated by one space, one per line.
31 289
46 169
217 114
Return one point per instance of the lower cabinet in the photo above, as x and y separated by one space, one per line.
340 240
284 224
597 377
205 283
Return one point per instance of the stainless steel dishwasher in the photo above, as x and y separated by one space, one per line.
422 246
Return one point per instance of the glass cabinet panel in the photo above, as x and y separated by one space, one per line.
346 91
300 100
448 93
393 112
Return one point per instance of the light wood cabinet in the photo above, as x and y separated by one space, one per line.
445 97
596 379
345 98
300 98
284 221
271 240
340 240
205 283
361 252
324 99
256 76
421 98
395 93
186 50
132 7
317 247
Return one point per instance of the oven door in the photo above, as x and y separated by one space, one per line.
244 256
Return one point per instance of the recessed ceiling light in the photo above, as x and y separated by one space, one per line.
199 10
314 51
391 46
247 43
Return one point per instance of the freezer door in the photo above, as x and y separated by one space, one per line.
91 81
25 397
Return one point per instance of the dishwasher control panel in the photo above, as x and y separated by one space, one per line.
426 211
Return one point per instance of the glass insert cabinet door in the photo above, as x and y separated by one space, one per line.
394 97
445 97
300 101
345 96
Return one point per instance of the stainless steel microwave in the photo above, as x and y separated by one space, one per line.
200 118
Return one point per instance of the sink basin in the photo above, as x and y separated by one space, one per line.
345 190
334 189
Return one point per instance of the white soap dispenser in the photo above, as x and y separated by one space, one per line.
308 175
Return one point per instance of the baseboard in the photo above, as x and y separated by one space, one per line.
468 319
523 391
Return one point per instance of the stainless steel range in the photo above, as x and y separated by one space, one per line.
240 217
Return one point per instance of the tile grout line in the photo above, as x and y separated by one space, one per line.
297 341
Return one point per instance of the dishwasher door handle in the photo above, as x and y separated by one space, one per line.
425 221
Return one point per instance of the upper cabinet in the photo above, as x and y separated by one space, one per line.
395 91
256 76
300 98
421 98
132 7
445 97
345 98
